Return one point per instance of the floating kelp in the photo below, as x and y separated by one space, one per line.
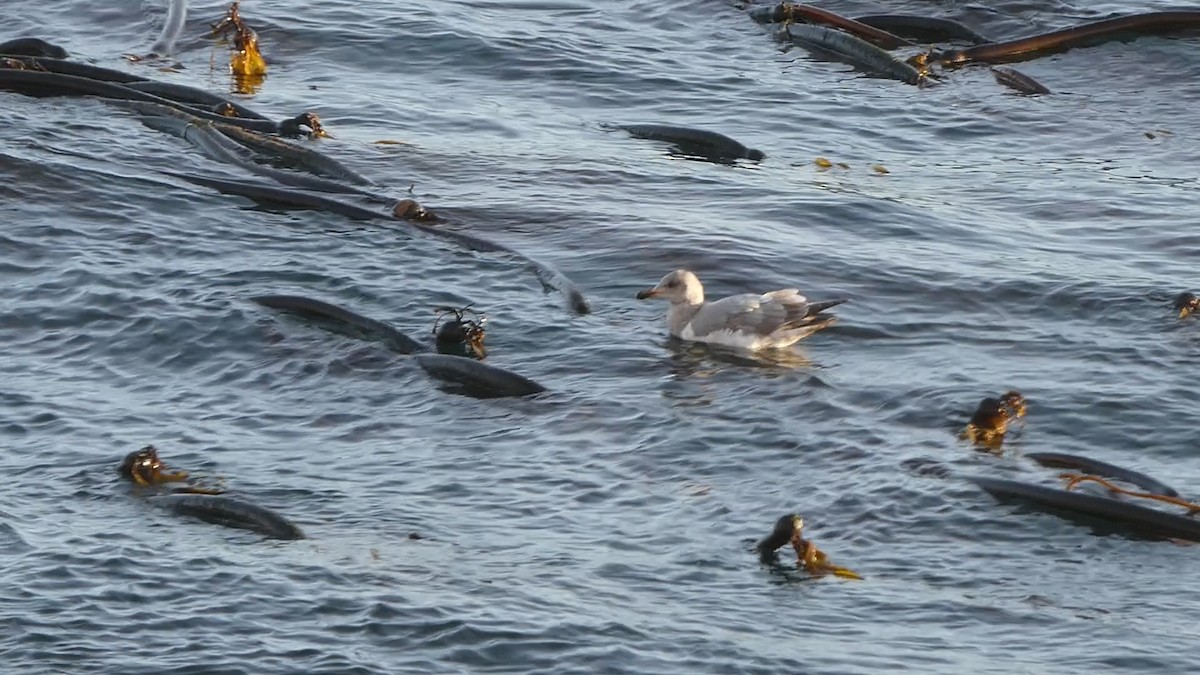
698 142
990 421
409 210
551 278
38 82
31 46
346 321
1087 465
294 153
459 341
788 529
304 124
789 12
1015 79
45 83
273 195
855 51
62 67
923 28
246 63
216 145
477 379
1073 480
1186 303
197 98
230 512
145 470
1097 510
460 336
1084 35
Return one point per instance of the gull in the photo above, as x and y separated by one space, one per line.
746 321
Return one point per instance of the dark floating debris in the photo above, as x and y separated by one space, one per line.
144 469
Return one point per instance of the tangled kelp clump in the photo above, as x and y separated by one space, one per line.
246 64
460 335
789 530
144 469
990 422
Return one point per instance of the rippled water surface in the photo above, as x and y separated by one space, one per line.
607 526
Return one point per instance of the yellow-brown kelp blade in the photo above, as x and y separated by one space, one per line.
845 573
246 64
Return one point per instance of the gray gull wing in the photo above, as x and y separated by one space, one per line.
753 315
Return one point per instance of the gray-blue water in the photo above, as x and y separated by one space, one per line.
1016 242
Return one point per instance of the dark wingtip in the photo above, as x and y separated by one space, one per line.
818 307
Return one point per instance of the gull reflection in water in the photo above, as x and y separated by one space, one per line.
692 364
